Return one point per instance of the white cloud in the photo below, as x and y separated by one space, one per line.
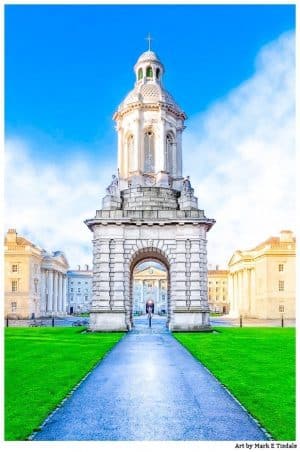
240 155
47 203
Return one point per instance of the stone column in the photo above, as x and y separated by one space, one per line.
230 293
64 297
60 291
234 295
247 301
156 285
142 296
160 151
136 157
55 292
178 277
178 151
252 292
43 293
50 291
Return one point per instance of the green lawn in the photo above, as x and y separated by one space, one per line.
257 365
42 365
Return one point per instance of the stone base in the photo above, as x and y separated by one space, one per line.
190 321
108 321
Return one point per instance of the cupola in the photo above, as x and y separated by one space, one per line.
148 68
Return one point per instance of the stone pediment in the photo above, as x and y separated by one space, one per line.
235 258
150 271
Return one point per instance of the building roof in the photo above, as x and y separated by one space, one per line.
285 243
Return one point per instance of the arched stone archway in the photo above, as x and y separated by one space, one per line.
142 255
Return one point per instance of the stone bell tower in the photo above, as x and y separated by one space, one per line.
149 212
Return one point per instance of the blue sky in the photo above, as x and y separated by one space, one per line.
68 67
231 68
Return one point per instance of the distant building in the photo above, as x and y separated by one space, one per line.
54 284
79 290
262 281
150 283
218 291
35 281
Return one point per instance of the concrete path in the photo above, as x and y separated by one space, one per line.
150 388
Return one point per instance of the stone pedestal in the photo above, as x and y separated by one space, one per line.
150 226
108 321
184 320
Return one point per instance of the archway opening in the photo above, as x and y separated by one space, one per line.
150 282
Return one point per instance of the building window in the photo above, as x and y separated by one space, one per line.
14 286
72 282
281 286
78 290
149 152
86 298
72 298
79 282
71 289
86 282
169 152
130 151
281 308
149 72
36 285
280 267
157 73
14 268
13 306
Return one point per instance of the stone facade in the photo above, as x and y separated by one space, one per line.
79 290
262 281
35 281
22 277
149 213
218 291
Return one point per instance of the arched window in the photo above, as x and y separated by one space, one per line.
149 152
169 150
149 72
157 73
130 151
140 73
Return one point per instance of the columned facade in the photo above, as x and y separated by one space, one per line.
149 211
54 295
262 280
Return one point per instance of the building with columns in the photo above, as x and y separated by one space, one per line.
262 281
218 291
54 284
150 283
79 290
149 212
35 282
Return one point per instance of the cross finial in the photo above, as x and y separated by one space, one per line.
149 39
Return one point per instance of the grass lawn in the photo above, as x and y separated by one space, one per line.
42 365
257 365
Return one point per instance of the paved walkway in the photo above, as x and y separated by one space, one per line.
150 388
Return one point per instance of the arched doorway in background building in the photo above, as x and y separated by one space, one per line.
149 280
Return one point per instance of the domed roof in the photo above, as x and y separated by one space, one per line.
149 93
149 55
